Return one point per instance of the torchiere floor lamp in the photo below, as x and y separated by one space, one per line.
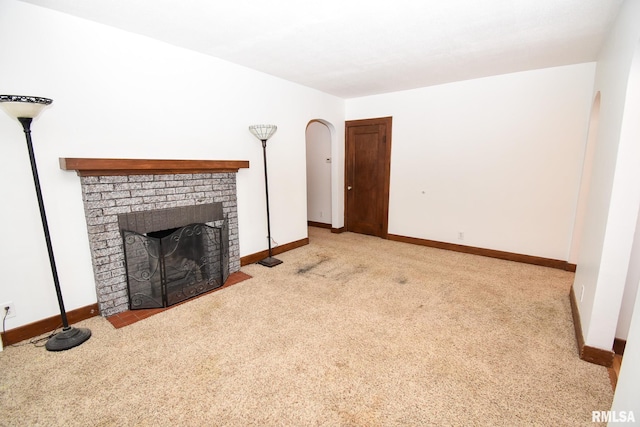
263 133
25 109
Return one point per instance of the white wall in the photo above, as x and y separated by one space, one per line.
630 288
497 158
318 173
626 395
117 94
614 197
630 137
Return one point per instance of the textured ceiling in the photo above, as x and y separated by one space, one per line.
353 48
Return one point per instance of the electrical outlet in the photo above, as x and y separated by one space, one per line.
460 235
12 310
582 294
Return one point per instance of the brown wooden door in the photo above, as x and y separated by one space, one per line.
368 165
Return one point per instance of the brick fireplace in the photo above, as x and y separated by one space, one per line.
112 188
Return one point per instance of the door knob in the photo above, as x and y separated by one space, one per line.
348 187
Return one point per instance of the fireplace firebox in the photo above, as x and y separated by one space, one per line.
173 254
169 266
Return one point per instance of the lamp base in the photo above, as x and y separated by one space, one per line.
270 262
67 338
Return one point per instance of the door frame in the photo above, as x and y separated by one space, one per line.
387 122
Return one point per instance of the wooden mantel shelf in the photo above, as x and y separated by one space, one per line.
111 167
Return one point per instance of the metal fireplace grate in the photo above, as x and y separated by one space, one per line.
169 266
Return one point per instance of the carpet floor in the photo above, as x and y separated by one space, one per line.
350 330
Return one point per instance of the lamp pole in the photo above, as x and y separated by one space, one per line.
25 109
263 133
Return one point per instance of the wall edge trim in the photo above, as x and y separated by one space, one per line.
255 257
491 253
587 353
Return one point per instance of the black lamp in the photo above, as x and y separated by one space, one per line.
263 133
25 109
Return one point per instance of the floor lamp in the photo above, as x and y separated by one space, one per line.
263 133
25 109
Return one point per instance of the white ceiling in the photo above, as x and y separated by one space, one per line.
353 48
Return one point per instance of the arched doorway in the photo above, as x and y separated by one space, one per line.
585 182
319 160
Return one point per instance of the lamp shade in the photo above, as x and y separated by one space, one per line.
263 132
20 106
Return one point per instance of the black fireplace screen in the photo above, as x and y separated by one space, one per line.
170 266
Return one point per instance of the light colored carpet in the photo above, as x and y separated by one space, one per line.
351 330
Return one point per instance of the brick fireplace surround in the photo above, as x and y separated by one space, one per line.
119 186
